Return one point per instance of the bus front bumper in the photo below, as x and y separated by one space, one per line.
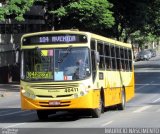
88 101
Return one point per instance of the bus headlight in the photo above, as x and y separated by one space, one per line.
27 94
23 91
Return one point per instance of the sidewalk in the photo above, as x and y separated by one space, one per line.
12 87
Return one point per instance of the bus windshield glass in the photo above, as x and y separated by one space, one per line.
60 64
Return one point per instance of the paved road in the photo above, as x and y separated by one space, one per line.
141 112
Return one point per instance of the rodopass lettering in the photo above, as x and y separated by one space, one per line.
39 75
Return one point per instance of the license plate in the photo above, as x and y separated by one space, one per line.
54 103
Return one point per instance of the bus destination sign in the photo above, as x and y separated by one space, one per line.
54 39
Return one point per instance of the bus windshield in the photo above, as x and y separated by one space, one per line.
59 64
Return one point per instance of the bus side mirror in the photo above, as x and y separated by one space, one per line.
97 57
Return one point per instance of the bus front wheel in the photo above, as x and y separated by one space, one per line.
42 114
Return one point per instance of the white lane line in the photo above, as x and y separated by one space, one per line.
105 124
141 109
14 125
12 113
147 84
156 100
142 86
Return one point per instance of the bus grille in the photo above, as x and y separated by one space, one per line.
49 96
52 87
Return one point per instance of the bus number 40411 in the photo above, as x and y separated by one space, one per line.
71 90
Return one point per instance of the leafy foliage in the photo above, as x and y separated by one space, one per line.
15 8
154 14
86 14
138 20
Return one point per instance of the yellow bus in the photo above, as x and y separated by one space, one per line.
74 70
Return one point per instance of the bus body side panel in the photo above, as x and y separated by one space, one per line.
130 89
114 83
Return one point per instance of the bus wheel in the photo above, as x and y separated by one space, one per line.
42 114
122 105
96 113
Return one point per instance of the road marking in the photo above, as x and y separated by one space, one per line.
143 85
12 113
14 125
105 124
148 84
141 109
156 100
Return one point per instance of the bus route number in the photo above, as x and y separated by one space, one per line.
74 89
43 39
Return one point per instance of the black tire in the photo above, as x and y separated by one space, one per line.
96 113
42 114
122 105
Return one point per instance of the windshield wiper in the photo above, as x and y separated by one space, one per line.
68 50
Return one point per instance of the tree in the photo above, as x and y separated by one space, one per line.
130 16
142 39
120 19
154 14
15 8
88 15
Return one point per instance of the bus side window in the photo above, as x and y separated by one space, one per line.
108 62
122 56
100 49
113 63
118 58
93 65
123 64
113 57
93 45
122 53
117 52
130 59
126 59
107 56
119 65
101 63
107 49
